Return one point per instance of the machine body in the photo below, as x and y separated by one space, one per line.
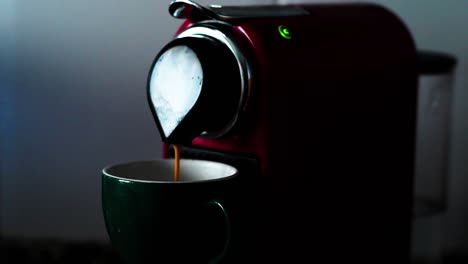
316 106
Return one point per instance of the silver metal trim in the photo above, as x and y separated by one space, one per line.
190 10
201 31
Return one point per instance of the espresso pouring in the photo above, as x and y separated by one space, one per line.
176 162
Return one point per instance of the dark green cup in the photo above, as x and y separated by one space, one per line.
152 219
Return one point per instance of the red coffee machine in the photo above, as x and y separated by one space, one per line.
316 106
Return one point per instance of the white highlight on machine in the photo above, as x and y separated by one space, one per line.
175 85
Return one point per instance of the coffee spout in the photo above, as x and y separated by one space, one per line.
194 88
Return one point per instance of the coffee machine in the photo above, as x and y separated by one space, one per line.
315 104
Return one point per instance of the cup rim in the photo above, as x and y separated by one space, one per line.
104 172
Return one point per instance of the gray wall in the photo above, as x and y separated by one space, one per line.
78 104
7 66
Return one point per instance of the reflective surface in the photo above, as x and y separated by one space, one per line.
175 85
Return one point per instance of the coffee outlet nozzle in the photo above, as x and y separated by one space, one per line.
196 86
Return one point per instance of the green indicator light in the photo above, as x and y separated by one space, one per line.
284 32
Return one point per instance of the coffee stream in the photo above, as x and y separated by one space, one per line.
176 162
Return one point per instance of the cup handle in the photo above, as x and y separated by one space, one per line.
217 204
